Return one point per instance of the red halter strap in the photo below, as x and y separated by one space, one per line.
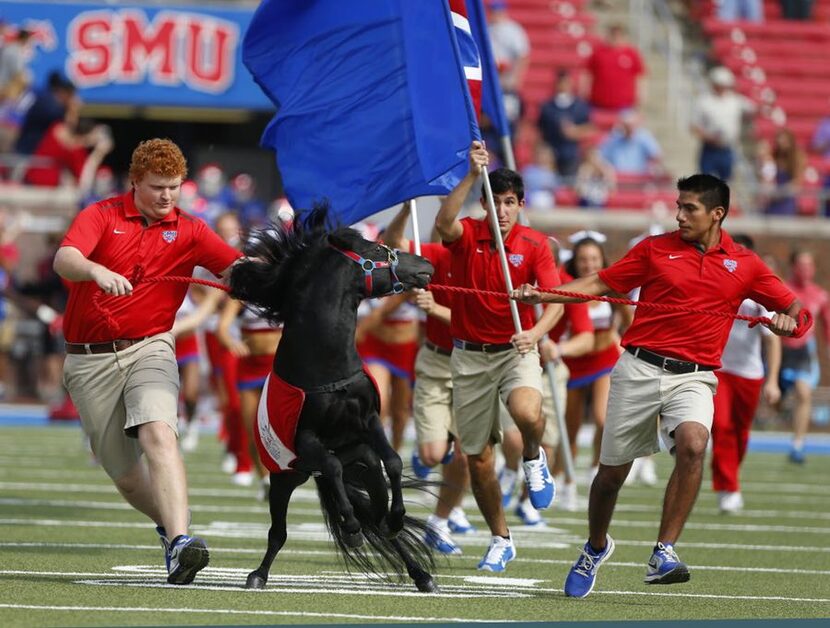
369 266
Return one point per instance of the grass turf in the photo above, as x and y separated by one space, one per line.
74 554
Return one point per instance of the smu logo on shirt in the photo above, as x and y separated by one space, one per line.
516 259
169 236
731 265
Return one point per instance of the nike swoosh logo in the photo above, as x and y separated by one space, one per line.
479 251
674 256
118 232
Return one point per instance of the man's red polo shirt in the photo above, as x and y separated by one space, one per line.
614 70
438 332
674 272
113 233
576 318
475 264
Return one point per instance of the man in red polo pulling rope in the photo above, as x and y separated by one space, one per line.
120 366
665 376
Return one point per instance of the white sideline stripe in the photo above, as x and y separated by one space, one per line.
715 596
225 611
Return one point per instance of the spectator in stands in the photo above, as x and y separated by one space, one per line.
564 121
56 102
800 356
747 10
615 67
511 47
820 143
251 210
74 147
781 176
631 148
541 178
797 9
595 179
14 74
717 122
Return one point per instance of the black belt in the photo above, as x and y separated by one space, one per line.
112 346
678 367
487 347
439 350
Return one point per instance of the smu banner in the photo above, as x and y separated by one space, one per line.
141 55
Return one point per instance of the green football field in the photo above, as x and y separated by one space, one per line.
73 554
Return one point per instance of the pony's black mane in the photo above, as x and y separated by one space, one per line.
278 255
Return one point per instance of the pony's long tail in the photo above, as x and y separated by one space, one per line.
379 555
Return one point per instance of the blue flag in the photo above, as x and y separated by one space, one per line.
492 99
372 103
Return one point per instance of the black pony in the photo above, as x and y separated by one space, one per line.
312 279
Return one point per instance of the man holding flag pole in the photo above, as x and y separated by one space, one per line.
491 358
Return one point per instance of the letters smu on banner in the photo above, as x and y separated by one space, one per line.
372 102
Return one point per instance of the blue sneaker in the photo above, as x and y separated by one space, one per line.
507 485
420 470
458 522
529 516
540 486
797 456
165 545
186 557
500 552
664 567
583 575
438 538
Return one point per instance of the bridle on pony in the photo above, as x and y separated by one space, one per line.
369 266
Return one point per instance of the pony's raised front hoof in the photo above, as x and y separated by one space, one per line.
255 580
353 539
427 585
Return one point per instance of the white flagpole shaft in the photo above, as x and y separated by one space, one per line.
416 230
509 157
494 227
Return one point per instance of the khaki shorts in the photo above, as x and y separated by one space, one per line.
117 392
550 438
647 403
481 383
432 397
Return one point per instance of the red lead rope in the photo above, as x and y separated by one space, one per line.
804 322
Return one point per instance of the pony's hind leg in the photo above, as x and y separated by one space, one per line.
424 582
394 469
282 486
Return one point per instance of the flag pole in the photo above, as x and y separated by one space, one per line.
494 227
550 370
416 231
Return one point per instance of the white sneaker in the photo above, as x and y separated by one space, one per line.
648 472
438 536
507 484
730 503
567 497
243 478
190 440
229 463
634 472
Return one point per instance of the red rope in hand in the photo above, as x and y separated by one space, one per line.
803 323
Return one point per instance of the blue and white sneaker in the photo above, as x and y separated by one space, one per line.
458 522
186 557
797 456
583 575
507 485
528 515
420 470
500 552
165 545
540 486
438 537
664 566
